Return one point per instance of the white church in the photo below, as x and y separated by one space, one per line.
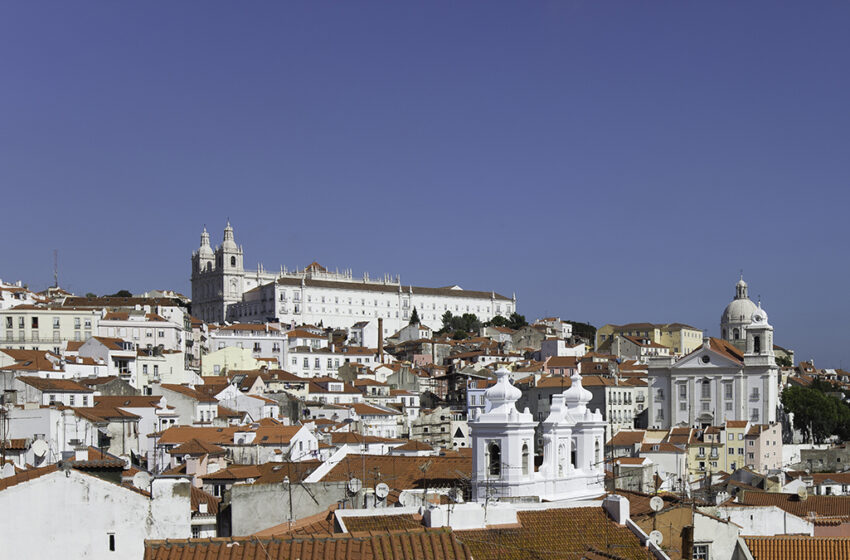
502 440
734 377
223 290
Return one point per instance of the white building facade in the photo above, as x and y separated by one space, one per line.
716 383
223 289
503 446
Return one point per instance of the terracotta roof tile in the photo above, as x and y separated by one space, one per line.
436 544
820 506
798 548
556 533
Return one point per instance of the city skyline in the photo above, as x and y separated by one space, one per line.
609 163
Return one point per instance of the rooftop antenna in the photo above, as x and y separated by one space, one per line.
55 268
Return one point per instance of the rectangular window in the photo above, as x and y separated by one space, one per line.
76 322
216 369
683 406
317 362
145 369
71 400
9 323
34 322
727 391
85 400
729 407
706 390
111 542
156 370
683 391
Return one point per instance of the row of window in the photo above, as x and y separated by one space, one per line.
34 322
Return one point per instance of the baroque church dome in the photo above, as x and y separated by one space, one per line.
741 309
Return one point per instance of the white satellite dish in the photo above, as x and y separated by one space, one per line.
382 490
407 499
126 459
354 485
802 493
656 537
40 448
142 480
656 503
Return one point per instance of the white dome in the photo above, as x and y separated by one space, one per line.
738 311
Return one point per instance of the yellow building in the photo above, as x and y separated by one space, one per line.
681 339
228 358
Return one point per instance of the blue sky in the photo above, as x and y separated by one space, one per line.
607 161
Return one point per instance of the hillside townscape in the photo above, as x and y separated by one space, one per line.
311 413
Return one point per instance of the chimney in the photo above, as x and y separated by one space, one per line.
381 339
617 507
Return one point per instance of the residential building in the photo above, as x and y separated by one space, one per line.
681 339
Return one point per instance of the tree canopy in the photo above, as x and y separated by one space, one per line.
817 415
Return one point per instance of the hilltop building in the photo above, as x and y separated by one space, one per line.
223 290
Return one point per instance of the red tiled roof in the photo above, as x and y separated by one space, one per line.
556 533
798 548
436 544
821 506
197 447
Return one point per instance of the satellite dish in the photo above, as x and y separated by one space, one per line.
802 493
40 448
142 480
126 459
354 485
656 503
382 490
656 537
407 499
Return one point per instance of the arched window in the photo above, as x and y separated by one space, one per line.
494 459
525 459
574 455
735 334
724 333
232 261
757 344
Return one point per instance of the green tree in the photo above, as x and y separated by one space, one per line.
447 321
498 321
516 321
91 295
783 361
816 414
121 293
584 330
414 317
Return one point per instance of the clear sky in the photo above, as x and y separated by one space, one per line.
607 161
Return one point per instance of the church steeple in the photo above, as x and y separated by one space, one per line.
229 244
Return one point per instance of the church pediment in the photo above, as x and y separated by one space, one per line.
706 358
